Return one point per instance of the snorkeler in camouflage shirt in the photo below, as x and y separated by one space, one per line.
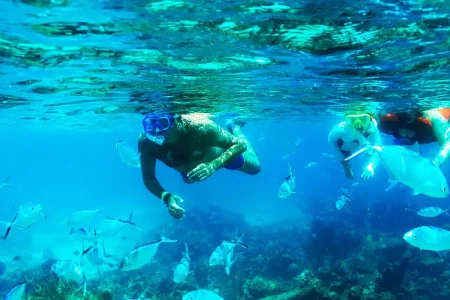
196 147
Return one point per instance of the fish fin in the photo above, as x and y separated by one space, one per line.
290 169
243 245
144 293
84 288
8 229
356 153
414 147
391 186
130 218
445 211
87 250
187 250
443 253
104 250
7 232
415 193
10 187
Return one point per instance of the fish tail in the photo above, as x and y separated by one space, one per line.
243 245
240 243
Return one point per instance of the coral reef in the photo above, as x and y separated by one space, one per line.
326 260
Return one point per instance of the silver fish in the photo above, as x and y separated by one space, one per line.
85 234
428 238
141 297
183 268
81 217
16 293
344 198
25 217
411 169
70 270
142 255
111 226
311 165
202 295
287 188
97 256
221 254
327 155
5 184
128 155
342 201
431 212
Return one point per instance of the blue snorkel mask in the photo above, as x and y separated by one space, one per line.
155 125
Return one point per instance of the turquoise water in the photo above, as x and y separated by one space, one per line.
76 76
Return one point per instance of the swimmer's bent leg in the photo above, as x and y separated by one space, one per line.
251 166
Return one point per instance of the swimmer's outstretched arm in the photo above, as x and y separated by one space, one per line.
215 136
148 165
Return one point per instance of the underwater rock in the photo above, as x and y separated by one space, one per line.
391 249
259 287
105 295
392 278
279 264
304 278
291 295
431 266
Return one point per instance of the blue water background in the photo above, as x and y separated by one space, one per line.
67 171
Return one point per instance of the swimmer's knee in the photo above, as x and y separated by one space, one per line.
254 169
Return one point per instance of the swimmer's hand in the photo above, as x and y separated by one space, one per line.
201 172
171 202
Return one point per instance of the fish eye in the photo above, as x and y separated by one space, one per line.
415 236
444 189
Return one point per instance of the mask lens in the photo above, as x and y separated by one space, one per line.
164 123
156 125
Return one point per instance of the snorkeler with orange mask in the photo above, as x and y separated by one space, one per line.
419 127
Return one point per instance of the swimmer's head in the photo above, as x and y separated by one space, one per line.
157 125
